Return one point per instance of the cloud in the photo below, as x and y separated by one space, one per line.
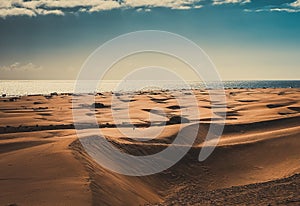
173 4
143 10
4 12
289 10
47 12
59 7
293 7
220 2
296 4
18 67
25 8
106 5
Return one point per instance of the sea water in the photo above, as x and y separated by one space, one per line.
29 87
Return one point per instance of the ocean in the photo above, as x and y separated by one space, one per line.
30 87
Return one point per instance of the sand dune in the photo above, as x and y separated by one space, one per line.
41 170
256 160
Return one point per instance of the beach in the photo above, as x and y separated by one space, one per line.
256 161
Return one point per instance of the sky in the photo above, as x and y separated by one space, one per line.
245 39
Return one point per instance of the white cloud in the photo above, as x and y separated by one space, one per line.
295 4
289 8
173 4
143 10
59 7
5 4
18 67
4 12
47 12
220 2
27 8
106 5
285 10
198 7
45 7
76 3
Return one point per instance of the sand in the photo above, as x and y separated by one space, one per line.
256 161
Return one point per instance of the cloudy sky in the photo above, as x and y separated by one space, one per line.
246 39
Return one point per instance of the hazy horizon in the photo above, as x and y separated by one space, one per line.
246 40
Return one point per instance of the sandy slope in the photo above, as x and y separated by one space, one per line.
42 163
38 168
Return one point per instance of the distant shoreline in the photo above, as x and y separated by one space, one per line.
13 88
12 98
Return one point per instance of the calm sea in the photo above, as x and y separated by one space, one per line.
27 87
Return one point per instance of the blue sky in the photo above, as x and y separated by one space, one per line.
246 39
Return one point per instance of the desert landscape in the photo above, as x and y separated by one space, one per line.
149 103
256 161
